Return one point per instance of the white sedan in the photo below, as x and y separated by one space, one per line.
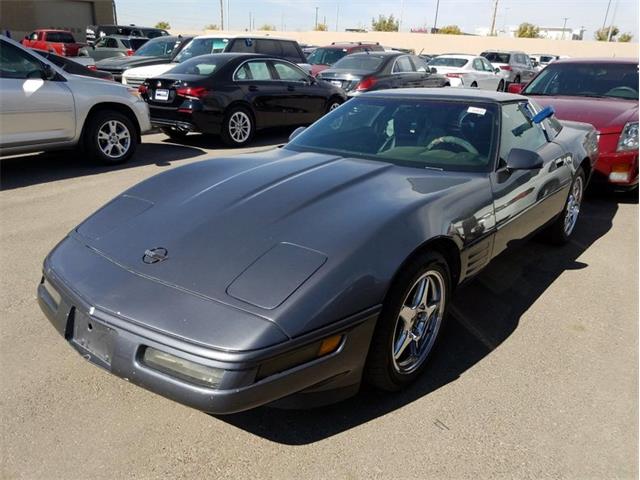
468 71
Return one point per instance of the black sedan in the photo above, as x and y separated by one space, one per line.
233 95
154 52
234 282
364 72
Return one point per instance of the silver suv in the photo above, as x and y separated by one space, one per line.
42 107
516 67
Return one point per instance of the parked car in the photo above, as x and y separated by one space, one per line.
543 59
201 45
233 95
115 46
307 49
604 93
72 65
95 32
43 107
272 46
284 272
468 71
362 72
156 51
324 57
516 66
60 42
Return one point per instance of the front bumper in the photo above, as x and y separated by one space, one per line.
141 110
616 168
118 345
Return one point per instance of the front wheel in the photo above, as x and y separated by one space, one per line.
559 232
410 323
110 137
238 127
333 104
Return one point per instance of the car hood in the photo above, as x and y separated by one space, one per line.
124 63
149 70
251 229
317 68
607 115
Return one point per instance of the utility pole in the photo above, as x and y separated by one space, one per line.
249 22
316 27
401 15
337 16
221 14
228 16
613 19
564 26
604 23
435 21
493 20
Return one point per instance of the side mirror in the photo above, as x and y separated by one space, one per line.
434 70
296 132
48 73
515 87
311 80
520 159
496 70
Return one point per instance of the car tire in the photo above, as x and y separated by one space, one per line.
560 231
175 133
501 86
392 363
238 127
333 103
110 137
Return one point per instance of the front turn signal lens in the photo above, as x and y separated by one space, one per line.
329 345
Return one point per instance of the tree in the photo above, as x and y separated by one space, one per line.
450 30
602 34
528 30
212 26
321 27
163 25
625 37
385 24
267 27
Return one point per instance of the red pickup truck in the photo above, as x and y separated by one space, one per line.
60 42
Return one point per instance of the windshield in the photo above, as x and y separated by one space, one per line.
366 62
496 57
420 133
616 80
159 47
201 65
201 46
326 56
448 62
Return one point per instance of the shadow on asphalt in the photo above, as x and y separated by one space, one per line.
486 311
263 138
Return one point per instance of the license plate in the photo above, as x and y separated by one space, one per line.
94 337
162 95
337 83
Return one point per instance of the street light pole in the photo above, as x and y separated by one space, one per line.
316 27
493 20
435 21
564 26
604 23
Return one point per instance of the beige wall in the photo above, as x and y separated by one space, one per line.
462 43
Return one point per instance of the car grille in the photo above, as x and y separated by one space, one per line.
135 82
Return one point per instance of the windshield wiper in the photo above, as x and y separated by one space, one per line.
434 168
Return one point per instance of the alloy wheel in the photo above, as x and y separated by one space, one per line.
114 139
239 127
573 205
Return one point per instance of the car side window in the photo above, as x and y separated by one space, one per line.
111 43
243 45
255 70
477 65
518 131
268 47
402 65
33 36
290 52
289 72
487 66
14 63
102 42
419 64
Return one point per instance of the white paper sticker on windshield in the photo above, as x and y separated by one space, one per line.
476 110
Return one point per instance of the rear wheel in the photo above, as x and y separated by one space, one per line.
410 323
238 127
333 104
110 137
559 232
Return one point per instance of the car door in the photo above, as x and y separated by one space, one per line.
304 101
493 77
32 110
529 70
479 74
524 200
256 80
404 74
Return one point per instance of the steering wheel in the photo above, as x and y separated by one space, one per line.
450 140
622 90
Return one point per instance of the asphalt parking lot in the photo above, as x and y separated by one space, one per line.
536 376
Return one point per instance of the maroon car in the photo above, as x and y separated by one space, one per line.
604 93
323 57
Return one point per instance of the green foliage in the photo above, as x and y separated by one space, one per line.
163 25
321 27
602 34
625 37
212 26
385 24
267 27
450 30
528 30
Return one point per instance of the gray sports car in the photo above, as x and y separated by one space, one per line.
293 275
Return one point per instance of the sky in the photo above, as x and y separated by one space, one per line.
299 15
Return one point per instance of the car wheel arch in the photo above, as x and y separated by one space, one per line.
242 104
114 106
585 164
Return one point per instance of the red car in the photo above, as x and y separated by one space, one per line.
604 93
323 57
59 42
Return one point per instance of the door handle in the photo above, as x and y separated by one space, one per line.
253 88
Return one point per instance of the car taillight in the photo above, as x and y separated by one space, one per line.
505 67
366 84
454 75
192 92
129 52
92 67
142 89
